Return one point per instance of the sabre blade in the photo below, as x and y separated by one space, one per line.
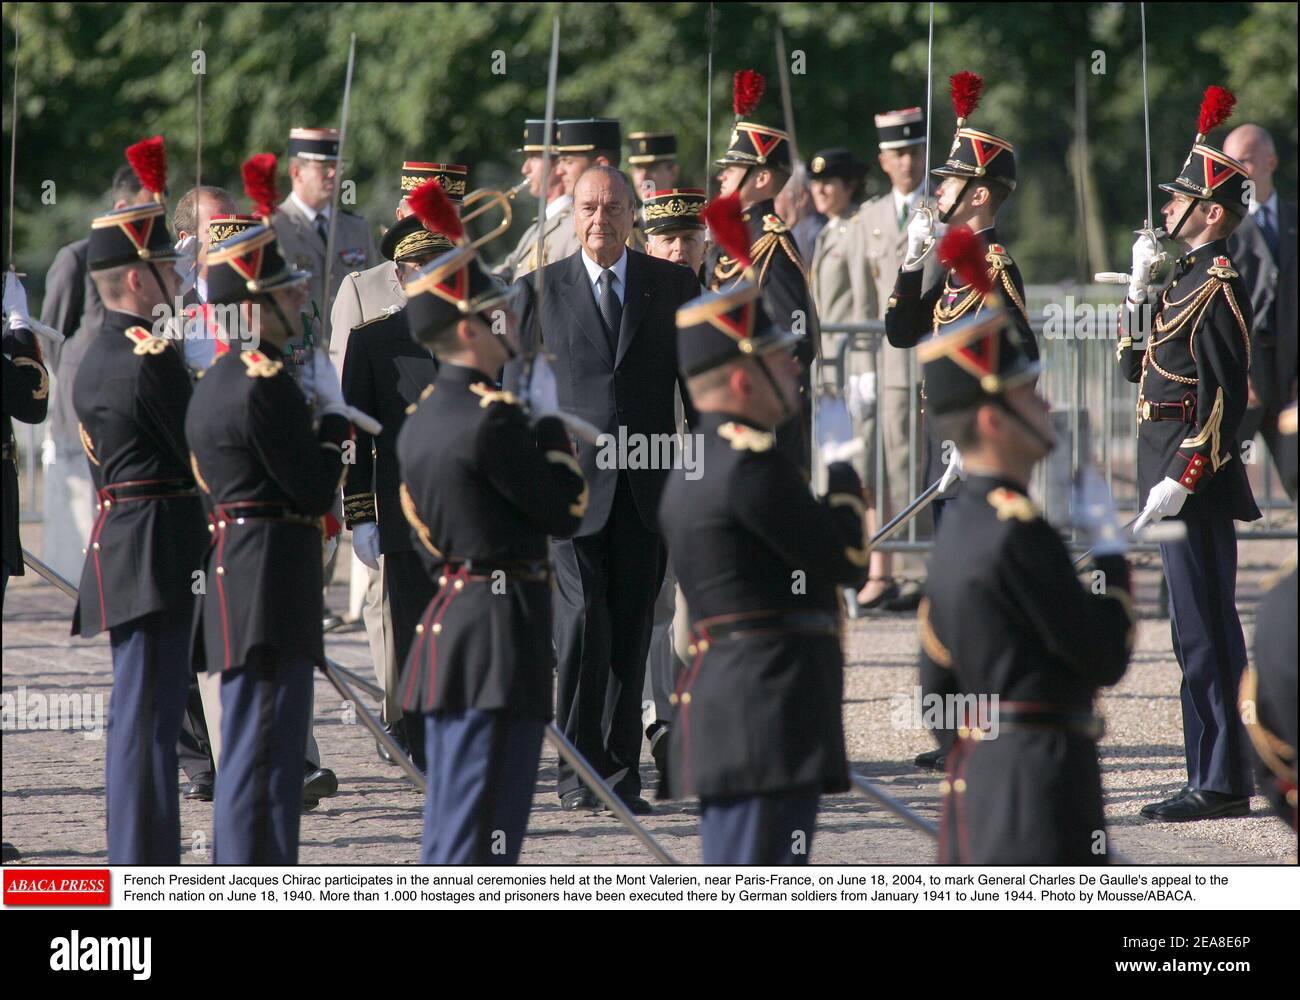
13 148
338 187
1146 112
929 88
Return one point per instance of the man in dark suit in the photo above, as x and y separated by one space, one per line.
608 322
1263 250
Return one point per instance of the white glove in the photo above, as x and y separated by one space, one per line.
920 238
956 470
862 396
49 453
321 380
1146 251
1166 499
365 543
15 304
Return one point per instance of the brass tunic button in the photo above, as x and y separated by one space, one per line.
944 787
419 629
221 571
686 698
959 785
437 628
460 584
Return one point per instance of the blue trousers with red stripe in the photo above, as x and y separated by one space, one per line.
482 770
151 670
257 805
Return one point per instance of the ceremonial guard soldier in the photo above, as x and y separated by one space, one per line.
26 398
1191 368
652 161
1268 689
131 395
384 373
271 478
758 733
302 224
1011 640
558 233
482 488
756 166
978 177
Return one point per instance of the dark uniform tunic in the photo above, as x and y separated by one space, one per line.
1005 616
271 479
779 272
915 313
482 496
26 398
759 560
1192 387
131 395
384 374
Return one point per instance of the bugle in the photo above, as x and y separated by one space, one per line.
491 197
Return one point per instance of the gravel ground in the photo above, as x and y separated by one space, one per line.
53 780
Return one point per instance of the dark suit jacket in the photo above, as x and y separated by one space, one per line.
1272 287
72 305
632 388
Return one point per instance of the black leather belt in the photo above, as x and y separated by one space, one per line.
242 511
766 623
145 489
481 569
1184 411
1026 717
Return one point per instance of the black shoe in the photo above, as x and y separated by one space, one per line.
11 853
658 737
886 596
1203 804
1149 810
331 621
412 729
199 790
903 602
579 798
398 736
318 784
637 806
932 760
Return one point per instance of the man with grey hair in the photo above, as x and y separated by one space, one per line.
1264 250
608 322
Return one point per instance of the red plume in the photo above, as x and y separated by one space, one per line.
1216 108
149 161
966 89
747 88
430 202
259 183
724 219
962 252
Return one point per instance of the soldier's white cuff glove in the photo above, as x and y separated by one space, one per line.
920 238
1166 499
1146 250
15 304
365 543
956 470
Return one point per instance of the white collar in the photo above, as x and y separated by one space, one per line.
560 204
908 200
1270 203
306 209
619 267
201 288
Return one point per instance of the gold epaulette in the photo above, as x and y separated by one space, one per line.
259 365
773 224
725 269
744 438
1010 504
490 396
998 257
425 393
1222 269
144 341
359 507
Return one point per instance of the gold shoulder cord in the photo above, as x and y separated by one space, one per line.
934 649
413 517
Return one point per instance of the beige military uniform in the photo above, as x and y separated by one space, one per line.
362 296
843 293
560 240
302 247
884 241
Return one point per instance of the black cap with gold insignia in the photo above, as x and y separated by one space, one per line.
409 240
249 264
587 135
838 162
452 176
975 360
976 154
451 287
130 235
1210 174
673 210
314 143
896 129
720 327
534 136
651 147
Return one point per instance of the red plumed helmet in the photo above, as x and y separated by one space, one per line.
1216 108
723 217
149 161
962 252
965 88
259 183
747 88
436 211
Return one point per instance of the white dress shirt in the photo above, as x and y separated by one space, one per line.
594 271
307 210
554 208
907 201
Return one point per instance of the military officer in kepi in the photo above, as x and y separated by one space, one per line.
757 733
482 487
271 469
978 178
1011 640
1191 364
558 237
131 395
385 373
755 167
